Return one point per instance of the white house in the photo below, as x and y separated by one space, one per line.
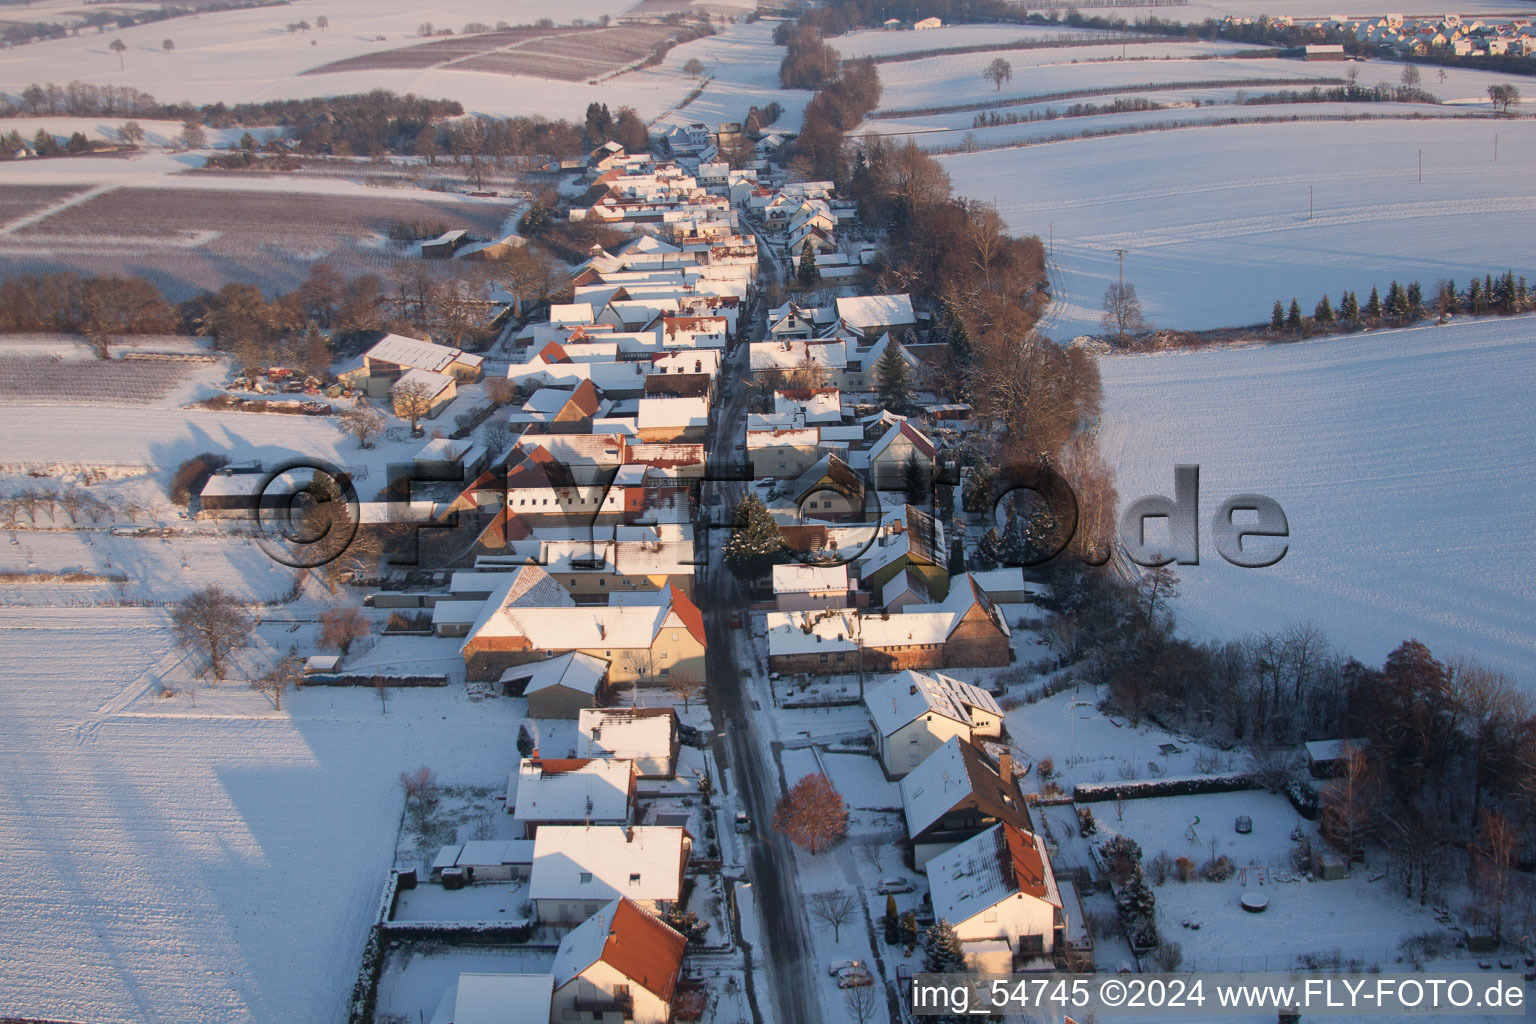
998 891
799 588
646 736
915 714
620 965
578 868
570 791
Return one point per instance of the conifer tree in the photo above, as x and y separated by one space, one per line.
1415 300
1323 314
1349 307
942 953
915 480
1293 318
1475 297
892 921
1373 306
893 379
756 543
1277 317
807 271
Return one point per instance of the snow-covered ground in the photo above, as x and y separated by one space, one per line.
1402 461
221 863
1214 220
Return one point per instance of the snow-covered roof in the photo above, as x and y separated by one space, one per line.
631 941
502 998
570 313
909 694
673 412
625 732
597 862
434 383
789 355
798 578
987 869
1332 750
575 671
526 588
572 790
958 771
446 449
418 354
866 311
492 852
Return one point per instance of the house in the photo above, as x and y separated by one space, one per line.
872 315
621 965
578 868
497 999
927 23
646 736
798 587
560 687
999 893
643 641
889 456
445 459
830 489
422 394
570 791
956 793
902 591
673 419
908 540
914 714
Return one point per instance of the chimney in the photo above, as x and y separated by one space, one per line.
629 835
1005 766
912 690
535 754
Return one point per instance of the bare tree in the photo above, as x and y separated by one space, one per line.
1122 311
1347 807
1493 858
363 422
342 627
420 787
684 685
998 72
834 909
213 623
275 681
168 45
1097 499
1503 96
694 68
812 814
132 133
862 1002
413 400
193 136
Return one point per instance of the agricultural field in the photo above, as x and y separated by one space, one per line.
1399 459
571 54
1215 225
90 382
187 233
232 881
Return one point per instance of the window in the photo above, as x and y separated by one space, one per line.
634 879
585 878
602 582
664 673
823 657
664 655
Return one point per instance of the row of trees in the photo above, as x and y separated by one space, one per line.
1505 295
627 128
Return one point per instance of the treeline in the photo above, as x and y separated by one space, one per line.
1120 105
627 129
1505 295
19 33
840 103
834 19
1351 93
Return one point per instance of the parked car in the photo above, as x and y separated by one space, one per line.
894 885
840 966
1244 824
743 822
735 620
856 977
690 735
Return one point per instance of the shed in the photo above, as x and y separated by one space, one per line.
444 245
319 663
560 687
1328 757
1324 51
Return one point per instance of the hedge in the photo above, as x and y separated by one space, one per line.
1094 792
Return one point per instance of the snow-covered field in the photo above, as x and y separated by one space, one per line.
1214 220
1402 460
213 864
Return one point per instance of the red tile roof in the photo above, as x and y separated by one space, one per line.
688 612
585 398
1021 861
644 950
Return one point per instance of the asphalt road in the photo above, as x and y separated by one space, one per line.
754 777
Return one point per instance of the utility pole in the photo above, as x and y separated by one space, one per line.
1121 254
1052 250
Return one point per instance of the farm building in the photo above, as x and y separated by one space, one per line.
448 459
429 393
394 355
1324 51
560 687
444 245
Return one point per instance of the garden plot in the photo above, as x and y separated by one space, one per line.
94 382
1364 920
1398 457
168 859
1214 221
